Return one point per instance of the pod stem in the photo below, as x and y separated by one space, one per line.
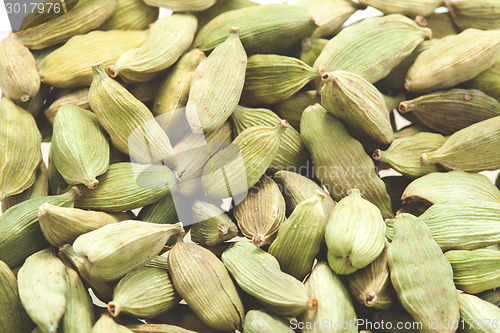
259 240
112 71
312 303
370 299
114 309
403 107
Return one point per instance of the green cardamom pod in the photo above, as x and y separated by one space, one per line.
311 49
158 328
162 211
272 78
271 28
205 284
182 316
450 111
412 247
479 14
70 66
217 85
221 7
214 228
79 314
182 5
80 149
492 296
172 34
478 316
359 104
396 317
131 15
328 141
36 18
19 78
405 7
258 321
57 184
292 108
42 289
106 324
355 234
441 25
145 292
487 81
79 97
258 274
140 240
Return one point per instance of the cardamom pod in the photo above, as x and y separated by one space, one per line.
300 236
199 277
441 25
453 60
182 316
334 303
311 49
396 317
214 228
78 98
482 14
261 213
131 15
450 111
258 274
328 140
182 5
405 7
19 78
258 321
217 85
492 296
412 247
158 328
271 28
221 7
20 155
162 211
145 292
292 108
42 289
70 66
106 324
57 184
80 149
486 81
172 34
478 315
36 18
272 78
79 314
140 240
359 104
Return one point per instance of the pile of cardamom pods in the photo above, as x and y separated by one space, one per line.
219 169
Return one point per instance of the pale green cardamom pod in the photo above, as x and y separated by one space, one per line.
214 226
258 321
217 85
140 240
487 81
36 18
158 328
79 314
42 289
292 108
143 293
272 28
479 316
412 247
19 78
182 5
162 211
221 7
57 184
78 98
441 25
334 303
80 149
107 325
355 234
311 49
20 155
272 78
405 7
393 317
182 316
131 15
171 34
479 14
205 284
492 296
453 60
70 66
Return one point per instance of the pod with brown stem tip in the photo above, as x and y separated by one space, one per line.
214 226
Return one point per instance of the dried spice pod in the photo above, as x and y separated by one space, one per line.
57 184
487 81
70 65
438 187
327 140
441 25
258 274
235 169
131 15
412 247
405 7
182 316
62 225
355 234
20 234
292 153
385 42
169 37
106 324
37 17
199 276
475 271
300 236
409 130
396 317
79 98
404 154
83 17
453 60
158 328
261 213
214 228
42 289
13 317
140 240
181 5
173 92
292 108
328 15
80 149
79 314
333 300
450 111
477 314
40 188
371 285
145 292
482 14
162 211
20 155
127 186
217 85
19 78
311 49
358 103
481 139
258 321
264 29
221 7
129 123
264 83
492 296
